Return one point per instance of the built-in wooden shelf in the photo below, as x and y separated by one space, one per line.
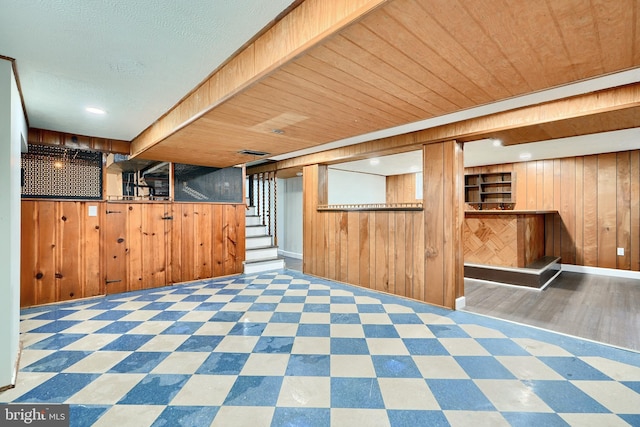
489 190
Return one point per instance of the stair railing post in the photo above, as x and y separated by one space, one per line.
275 209
264 209
269 199
256 194
251 190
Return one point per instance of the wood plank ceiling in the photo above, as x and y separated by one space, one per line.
410 60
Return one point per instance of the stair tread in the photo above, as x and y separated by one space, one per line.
258 261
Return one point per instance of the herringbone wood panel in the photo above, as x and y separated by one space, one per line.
492 240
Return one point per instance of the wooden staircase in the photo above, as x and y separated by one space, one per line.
261 254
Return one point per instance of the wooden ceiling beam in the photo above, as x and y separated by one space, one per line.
303 28
548 116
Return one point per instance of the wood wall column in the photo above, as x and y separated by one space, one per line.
443 175
314 192
309 206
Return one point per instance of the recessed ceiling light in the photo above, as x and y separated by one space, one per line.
94 110
525 156
374 162
497 143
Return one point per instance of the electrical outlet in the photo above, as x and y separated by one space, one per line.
620 251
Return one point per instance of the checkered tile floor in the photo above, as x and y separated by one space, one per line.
288 349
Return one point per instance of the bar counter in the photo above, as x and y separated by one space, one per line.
505 238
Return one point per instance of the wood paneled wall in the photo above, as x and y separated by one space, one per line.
598 200
67 254
381 250
407 253
60 252
82 142
402 188
208 240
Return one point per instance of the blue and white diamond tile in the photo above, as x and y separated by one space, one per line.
286 349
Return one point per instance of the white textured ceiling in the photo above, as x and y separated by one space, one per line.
133 58
395 164
485 152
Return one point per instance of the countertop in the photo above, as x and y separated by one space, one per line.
508 212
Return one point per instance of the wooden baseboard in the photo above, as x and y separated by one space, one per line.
7 387
16 369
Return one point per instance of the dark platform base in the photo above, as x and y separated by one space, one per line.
537 275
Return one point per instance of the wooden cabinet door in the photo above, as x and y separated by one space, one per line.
70 266
155 233
116 248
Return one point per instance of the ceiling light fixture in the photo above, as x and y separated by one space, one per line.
497 142
525 156
253 153
94 110
374 162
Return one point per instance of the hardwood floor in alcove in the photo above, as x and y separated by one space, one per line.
599 308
